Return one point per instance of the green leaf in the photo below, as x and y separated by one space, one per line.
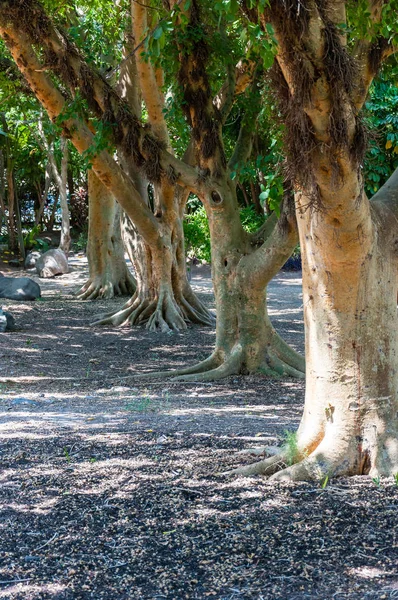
158 32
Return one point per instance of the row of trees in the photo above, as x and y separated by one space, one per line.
226 68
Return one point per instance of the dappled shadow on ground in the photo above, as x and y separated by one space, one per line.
131 506
110 486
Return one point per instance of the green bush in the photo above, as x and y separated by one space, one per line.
81 243
32 242
251 220
197 233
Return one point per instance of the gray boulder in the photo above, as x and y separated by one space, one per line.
31 259
19 288
7 322
51 263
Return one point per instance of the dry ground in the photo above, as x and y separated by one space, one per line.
110 487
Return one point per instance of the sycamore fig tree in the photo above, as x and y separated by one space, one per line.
57 71
108 272
242 264
328 52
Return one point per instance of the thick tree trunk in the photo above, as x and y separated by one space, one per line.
349 425
163 300
108 272
246 341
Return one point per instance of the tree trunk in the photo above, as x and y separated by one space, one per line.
246 341
11 202
349 425
43 197
64 243
108 272
164 299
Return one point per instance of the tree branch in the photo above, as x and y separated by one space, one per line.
66 61
238 79
54 103
244 143
148 78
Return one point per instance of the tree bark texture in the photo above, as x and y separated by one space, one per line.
164 299
246 341
108 272
349 253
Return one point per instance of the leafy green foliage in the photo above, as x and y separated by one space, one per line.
250 220
197 235
381 113
32 242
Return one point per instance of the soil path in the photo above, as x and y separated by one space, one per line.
110 486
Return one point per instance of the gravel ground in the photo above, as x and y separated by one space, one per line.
110 486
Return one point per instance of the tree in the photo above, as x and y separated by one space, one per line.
246 340
108 272
328 53
242 264
157 304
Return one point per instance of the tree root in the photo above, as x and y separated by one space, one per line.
287 355
332 457
162 314
100 287
267 467
210 363
216 367
232 366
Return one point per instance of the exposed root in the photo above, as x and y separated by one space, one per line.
209 363
162 314
287 355
167 316
279 367
330 458
101 287
262 467
198 314
216 367
232 366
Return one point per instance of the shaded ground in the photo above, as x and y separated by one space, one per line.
110 486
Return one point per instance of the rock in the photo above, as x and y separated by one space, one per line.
31 259
19 288
7 322
51 263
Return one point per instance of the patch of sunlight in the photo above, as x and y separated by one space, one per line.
130 463
245 409
286 281
368 572
110 439
32 379
207 512
28 350
248 494
26 436
30 591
